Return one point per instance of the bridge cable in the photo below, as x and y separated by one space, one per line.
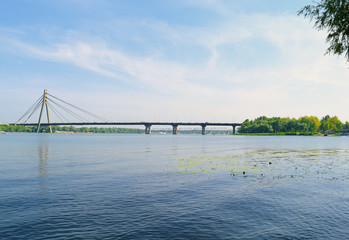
31 108
68 111
35 109
54 111
57 112
82 110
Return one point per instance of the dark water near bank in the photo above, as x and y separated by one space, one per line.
89 186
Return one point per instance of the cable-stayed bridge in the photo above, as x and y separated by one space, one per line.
65 112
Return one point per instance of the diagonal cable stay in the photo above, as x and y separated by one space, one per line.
31 110
80 109
61 112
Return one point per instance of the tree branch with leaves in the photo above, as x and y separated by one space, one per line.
333 16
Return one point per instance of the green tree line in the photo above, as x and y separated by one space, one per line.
19 128
306 125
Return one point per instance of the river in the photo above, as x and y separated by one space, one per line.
118 186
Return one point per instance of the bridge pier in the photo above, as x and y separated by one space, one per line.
147 128
174 129
203 130
44 104
234 129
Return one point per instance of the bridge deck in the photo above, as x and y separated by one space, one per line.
47 99
146 124
133 123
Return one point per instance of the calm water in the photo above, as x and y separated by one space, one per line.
90 186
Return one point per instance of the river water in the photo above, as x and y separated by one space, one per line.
106 186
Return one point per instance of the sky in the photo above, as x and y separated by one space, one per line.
169 60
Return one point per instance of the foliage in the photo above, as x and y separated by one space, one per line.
346 125
11 128
19 128
331 124
306 125
332 15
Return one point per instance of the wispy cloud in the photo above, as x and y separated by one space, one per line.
192 72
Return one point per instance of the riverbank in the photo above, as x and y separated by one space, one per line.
291 134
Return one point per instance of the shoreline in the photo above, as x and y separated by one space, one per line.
237 134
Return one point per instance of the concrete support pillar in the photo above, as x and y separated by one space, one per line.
175 129
234 129
44 103
203 131
147 129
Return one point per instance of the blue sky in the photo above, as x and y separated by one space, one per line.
169 60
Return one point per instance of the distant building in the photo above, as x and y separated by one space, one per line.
345 132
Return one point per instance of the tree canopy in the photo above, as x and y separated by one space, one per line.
19 128
333 16
306 125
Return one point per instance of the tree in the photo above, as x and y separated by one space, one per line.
276 123
346 125
324 126
336 123
312 123
332 124
245 126
332 15
292 125
316 122
264 128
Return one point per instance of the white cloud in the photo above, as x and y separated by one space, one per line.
208 88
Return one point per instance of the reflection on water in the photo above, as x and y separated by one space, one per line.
43 151
148 150
43 159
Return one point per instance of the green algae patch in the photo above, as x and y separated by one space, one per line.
208 164
327 164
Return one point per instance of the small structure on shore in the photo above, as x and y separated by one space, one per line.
345 132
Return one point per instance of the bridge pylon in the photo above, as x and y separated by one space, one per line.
44 105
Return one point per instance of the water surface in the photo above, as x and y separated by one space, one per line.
106 186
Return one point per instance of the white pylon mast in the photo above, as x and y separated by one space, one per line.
44 104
